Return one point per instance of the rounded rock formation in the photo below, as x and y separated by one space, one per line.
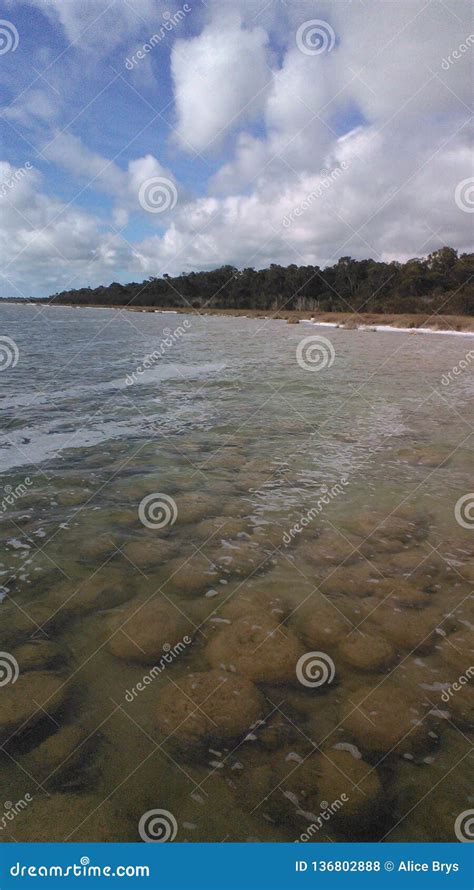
213 706
145 628
32 697
256 648
148 554
387 719
367 652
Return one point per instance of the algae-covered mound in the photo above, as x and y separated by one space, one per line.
337 788
367 651
62 755
257 648
146 628
208 706
33 696
388 719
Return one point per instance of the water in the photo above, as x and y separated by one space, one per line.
314 513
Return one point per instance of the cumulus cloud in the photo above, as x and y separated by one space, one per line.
220 79
68 151
357 150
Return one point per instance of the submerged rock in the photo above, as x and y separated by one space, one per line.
146 629
398 593
254 598
149 553
196 506
73 497
321 624
389 532
409 630
256 648
99 591
418 564
96 548
39 655
320 794
187 576
367 652
213 706
59 755
221 528
330 550
388 719
344 793
34 696
19 626
457 652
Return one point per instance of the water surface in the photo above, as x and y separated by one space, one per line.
314 513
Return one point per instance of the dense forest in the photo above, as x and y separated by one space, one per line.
442 282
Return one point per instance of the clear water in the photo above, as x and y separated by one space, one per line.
225 411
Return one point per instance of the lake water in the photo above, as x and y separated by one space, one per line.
236 578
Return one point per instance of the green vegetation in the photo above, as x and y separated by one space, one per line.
443 282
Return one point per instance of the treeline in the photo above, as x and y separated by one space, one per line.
442 282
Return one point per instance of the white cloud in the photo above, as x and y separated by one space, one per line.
220 81
394 198
46 244
36 105
103 174
69 151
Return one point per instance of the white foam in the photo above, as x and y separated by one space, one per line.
385 328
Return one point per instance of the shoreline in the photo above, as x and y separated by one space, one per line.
461 325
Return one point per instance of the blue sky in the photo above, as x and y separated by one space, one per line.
249 132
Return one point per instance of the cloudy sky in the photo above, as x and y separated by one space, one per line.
142 137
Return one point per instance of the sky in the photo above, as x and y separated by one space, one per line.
141 137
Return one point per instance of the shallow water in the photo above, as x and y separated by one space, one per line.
315 511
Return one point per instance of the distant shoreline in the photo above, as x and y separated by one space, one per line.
422 323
